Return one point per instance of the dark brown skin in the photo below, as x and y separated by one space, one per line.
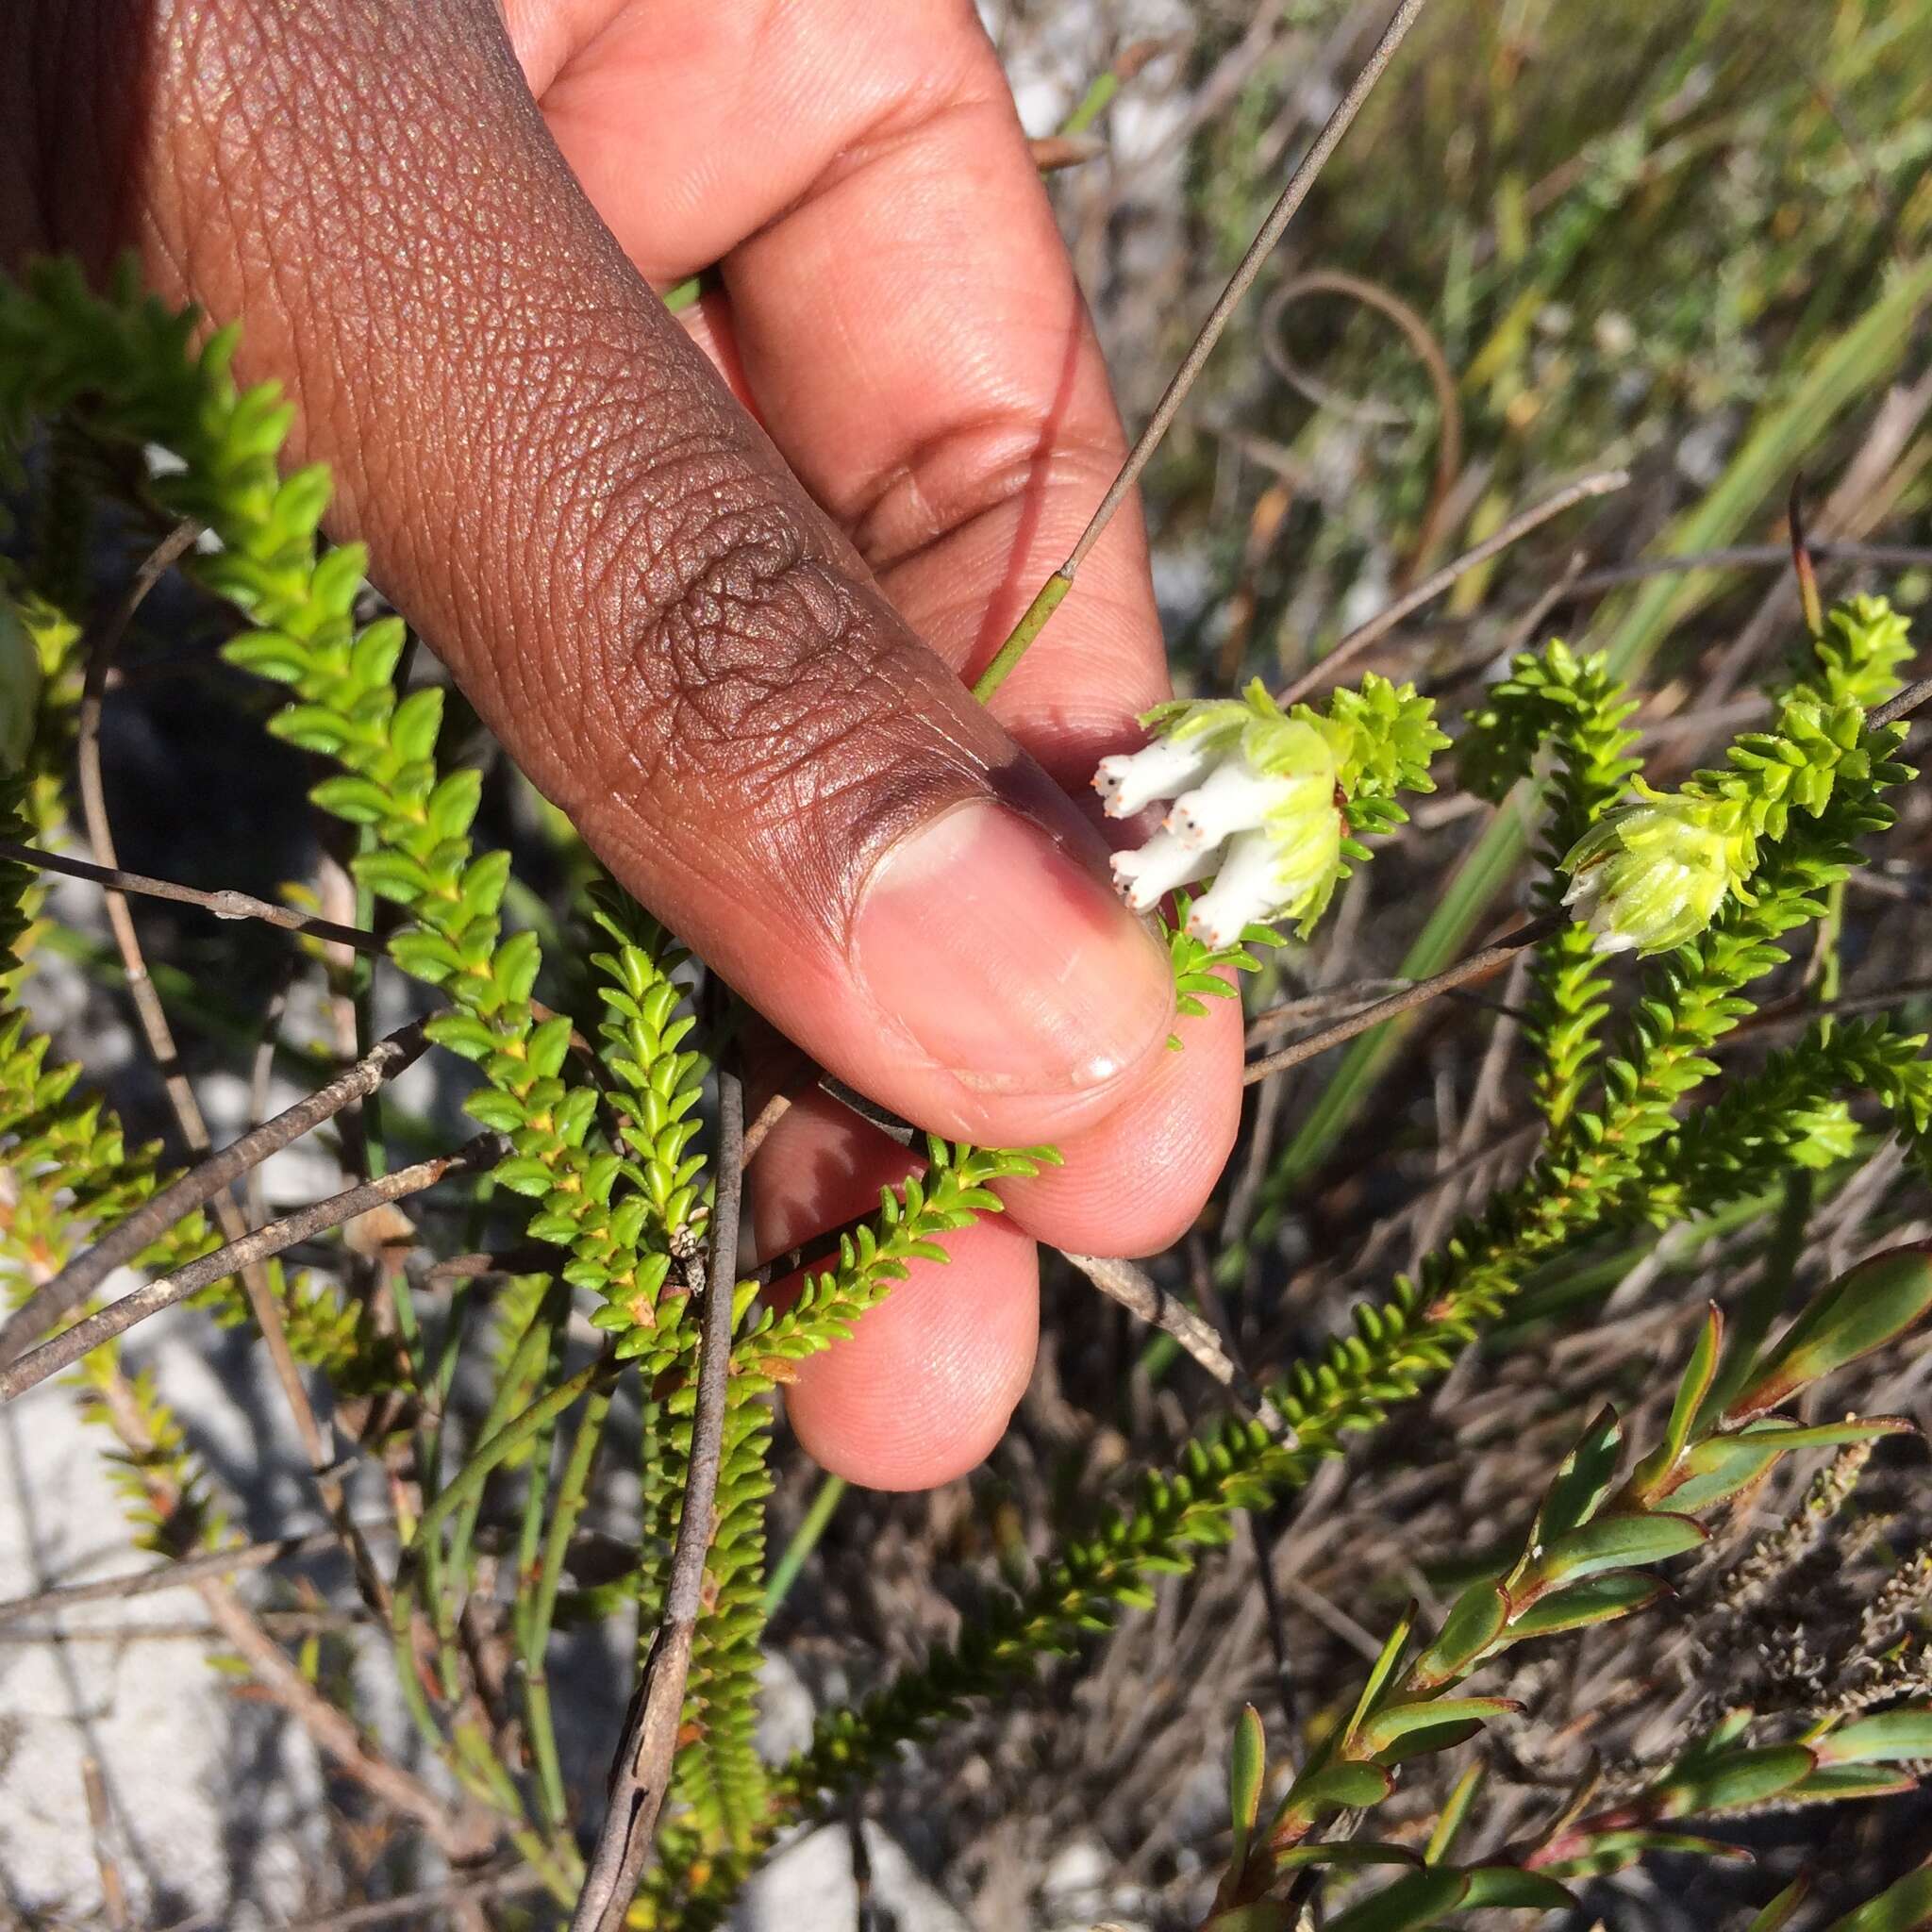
734 659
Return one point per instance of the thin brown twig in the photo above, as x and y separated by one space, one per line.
223 905
1804 565
868 1110
1705 722
1581 585
1054 153
1599 483
1137 1292
202 1183
420 1906
1264 526
769 1115
101 642
1339 1001
71 1343
261 1075
1244 1197
335 1732
641 1772
1307 172
100 1820
865 1915
278 1623
1882 466
348 1013
1742 710
1884 884
1526 626
1893 709
807 1255
99 647
1792 1012
171 1575
1284 211
1616 576
1492 959
532 1258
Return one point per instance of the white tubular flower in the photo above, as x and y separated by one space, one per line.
1130 780
1234 798
1245 890
1282 769
1161 866
1281 871
1648 878
1584 901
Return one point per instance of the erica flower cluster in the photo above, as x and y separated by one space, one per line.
1657 868
1650 877
1254 802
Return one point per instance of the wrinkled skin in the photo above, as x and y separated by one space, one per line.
715 581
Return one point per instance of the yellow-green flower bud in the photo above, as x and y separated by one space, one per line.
1647 878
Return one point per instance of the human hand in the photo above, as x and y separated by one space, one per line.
735 662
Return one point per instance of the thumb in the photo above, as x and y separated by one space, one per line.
671 640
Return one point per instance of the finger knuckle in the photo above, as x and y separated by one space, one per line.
744 653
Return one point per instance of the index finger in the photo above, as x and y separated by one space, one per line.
905 317
902 308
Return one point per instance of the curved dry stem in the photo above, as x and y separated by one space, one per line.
1428 351
173 1203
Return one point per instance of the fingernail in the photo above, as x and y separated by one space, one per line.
1007 958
